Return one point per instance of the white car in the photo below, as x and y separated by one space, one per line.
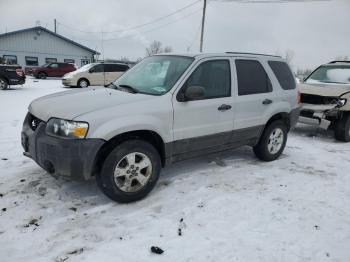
164 109
95 74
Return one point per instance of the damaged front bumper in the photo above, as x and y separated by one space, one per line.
320 115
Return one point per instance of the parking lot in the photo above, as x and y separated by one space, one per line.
207 209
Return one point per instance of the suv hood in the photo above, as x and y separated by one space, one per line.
327 90
71 104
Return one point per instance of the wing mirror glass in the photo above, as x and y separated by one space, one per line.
194 93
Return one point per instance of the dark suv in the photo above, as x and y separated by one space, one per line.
11 75
55 69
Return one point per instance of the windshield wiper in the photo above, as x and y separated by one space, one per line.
129 88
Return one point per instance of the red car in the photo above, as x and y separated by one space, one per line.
55 69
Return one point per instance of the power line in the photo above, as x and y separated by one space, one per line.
134 27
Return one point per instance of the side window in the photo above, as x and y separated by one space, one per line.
252 78
50 60
54 65
283 74
98 68
31 61
10 59
115 68
71 61
214 76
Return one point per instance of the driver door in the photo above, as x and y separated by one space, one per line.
205 124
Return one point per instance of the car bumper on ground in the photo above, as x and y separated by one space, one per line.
73 158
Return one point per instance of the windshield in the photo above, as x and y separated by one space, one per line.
330 74
154 75
45 65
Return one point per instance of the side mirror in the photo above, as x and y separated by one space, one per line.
91 70
194 93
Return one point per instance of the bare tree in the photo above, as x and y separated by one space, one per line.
124 59
156 48
167 49
289 55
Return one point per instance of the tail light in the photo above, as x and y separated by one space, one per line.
299 97
19 72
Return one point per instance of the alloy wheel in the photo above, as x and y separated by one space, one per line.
275 141
133 172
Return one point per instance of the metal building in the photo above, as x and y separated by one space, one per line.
36 46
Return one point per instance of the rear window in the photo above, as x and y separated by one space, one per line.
252 78
283 74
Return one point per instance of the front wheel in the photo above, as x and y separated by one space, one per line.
3 84
272 142
342 128
42 75
83 83
130 171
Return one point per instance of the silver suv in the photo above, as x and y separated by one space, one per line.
165 109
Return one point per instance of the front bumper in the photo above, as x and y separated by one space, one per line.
73 158
67 82
320 115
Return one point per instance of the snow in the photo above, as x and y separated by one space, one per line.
234 207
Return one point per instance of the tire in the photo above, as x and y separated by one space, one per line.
83 83
342 128
272 142
42 75
119 178
3 83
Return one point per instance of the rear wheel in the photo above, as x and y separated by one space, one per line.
272 142
130 171
3 83
83 83
342 128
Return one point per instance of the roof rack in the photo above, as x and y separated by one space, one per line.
338 61
242 53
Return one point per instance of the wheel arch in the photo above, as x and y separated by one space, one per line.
149 136
83 78
283 116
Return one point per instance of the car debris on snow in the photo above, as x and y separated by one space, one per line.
157 250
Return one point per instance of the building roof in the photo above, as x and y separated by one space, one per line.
52 33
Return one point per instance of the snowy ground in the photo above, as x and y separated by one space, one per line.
232 206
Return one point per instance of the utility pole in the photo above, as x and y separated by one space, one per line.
55 25
203 21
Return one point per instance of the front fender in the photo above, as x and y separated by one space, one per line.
121 125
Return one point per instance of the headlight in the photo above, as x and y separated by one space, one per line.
341 102
68 129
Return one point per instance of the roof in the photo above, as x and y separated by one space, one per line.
346 63
52 33
220 54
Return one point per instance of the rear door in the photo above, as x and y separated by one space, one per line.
206 124
254 96
96 75
113 72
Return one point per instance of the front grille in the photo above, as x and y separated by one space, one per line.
316 100
33 121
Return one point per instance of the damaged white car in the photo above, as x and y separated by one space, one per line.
325 98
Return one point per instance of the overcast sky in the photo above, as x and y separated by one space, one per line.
317 32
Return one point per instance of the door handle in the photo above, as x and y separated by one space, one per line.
224 107
267 102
